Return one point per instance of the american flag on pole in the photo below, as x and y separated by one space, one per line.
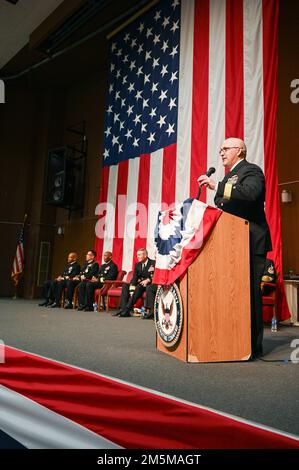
183 77
18 263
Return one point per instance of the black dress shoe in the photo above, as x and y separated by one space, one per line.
68 306
125 313
80 308
149 316
256 354
116 314
54 305
44 304
88 309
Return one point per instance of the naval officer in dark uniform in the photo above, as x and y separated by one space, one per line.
242 193
53 289
89 270
108 272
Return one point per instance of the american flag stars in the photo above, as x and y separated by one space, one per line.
142 101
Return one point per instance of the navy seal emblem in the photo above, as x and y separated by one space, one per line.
168 313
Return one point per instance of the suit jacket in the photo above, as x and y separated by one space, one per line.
90 269
71 270
242 193
142 274
108 271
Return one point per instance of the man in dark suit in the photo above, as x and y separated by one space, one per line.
107 272
53 289
242 193
90 269
142 277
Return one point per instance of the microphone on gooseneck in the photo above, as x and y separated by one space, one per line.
210 171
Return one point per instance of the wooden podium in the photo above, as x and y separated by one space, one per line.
216 298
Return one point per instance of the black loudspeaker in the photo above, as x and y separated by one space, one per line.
60 178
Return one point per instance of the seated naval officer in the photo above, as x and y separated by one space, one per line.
108 272
53 289
89 270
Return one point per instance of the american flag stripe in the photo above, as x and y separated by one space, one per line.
169 174
112 176
158 163
270 60
234 79
253 81
185 102
18 263
141 225
122 188
227 68
119 413
130 211
200 95
15 267
101 212
19 257
37 427
216 92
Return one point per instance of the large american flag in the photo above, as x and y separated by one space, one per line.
18 263
183 77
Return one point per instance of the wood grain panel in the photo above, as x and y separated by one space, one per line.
287 129
219 295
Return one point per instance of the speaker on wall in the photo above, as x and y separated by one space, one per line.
60 178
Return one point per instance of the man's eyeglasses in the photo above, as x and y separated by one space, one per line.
224 149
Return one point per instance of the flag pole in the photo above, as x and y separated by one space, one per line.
16 281
24 221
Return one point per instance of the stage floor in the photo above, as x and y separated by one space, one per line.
264 391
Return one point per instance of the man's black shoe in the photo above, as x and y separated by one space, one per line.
117 313
68 306
80 308
125 313
149 316
44 304
256 354
88 309
54 305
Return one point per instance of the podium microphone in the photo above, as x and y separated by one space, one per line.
210 171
